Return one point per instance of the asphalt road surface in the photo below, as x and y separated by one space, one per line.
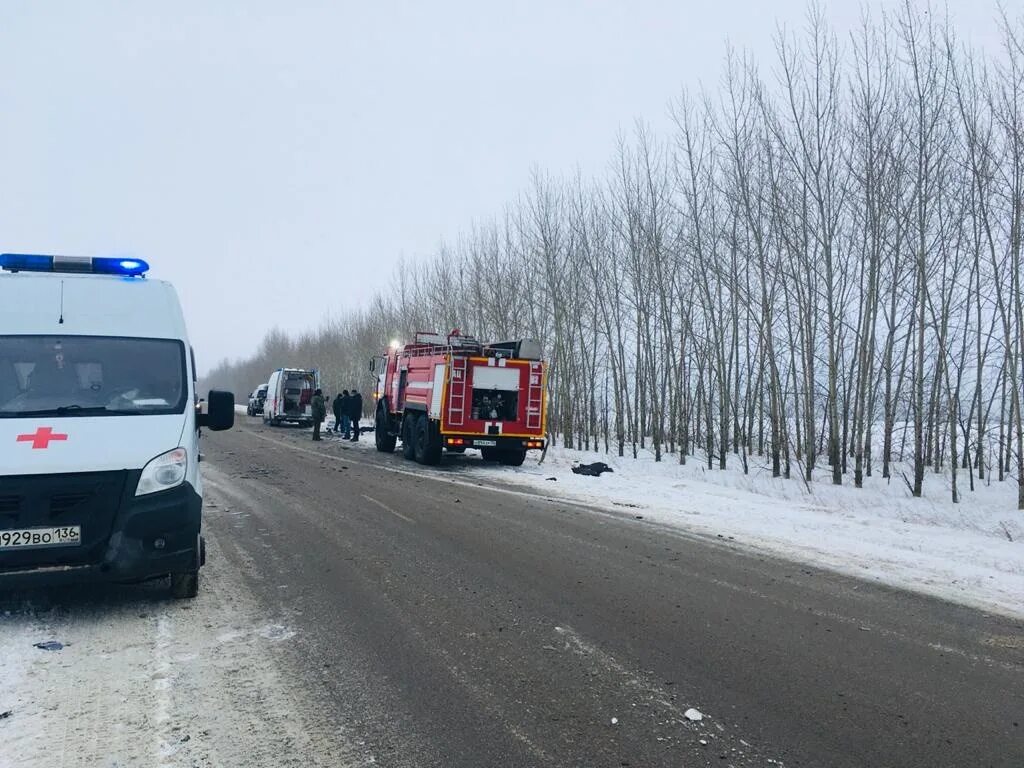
360 610
447 624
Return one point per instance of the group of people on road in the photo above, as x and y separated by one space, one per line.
348 409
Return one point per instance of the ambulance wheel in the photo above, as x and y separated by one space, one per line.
513 458
385 440
408 439
185 586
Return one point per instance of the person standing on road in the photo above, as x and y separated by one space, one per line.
319 412
346 415
355 402
338 406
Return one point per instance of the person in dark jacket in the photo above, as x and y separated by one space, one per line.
338 406
355 410
319 412
346 415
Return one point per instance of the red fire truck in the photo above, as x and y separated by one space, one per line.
453 392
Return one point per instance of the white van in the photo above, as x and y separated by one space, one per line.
290 396
99 426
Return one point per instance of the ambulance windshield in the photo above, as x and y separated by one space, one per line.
91 376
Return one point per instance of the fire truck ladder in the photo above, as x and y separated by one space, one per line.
534 397
457 393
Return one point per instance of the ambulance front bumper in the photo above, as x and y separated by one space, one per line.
146 537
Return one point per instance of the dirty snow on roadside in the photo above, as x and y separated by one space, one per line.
142 680
971 552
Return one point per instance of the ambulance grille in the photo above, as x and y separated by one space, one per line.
65 502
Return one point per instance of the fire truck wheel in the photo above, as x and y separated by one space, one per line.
428 444
385 441
489 454
408 440
513 458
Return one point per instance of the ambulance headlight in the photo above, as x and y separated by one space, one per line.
163 472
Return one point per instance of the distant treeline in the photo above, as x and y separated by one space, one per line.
826 245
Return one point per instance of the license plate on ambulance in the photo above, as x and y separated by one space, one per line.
486 443
29 538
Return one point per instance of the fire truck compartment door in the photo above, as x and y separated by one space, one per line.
502 379
438 391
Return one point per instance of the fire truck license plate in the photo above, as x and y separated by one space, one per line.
27 538
486 443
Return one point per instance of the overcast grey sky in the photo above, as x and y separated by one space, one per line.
275 159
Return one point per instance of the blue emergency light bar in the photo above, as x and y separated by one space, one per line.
25 262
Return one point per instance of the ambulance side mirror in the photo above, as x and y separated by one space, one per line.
220 411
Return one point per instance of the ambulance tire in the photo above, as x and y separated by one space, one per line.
185 586
513 458
427 442
384 439
408 439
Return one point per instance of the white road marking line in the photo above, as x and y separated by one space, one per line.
163 748
386 508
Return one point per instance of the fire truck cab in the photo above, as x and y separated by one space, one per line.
453 392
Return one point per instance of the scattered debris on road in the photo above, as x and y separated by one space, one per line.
49 645
693 715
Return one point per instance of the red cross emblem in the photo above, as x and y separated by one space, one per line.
41 438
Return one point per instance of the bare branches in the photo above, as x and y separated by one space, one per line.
813 263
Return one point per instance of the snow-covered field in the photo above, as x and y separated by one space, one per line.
961 552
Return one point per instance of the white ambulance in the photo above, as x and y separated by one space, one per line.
99 426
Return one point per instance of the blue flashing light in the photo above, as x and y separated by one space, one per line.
130 267
23 262
26 261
